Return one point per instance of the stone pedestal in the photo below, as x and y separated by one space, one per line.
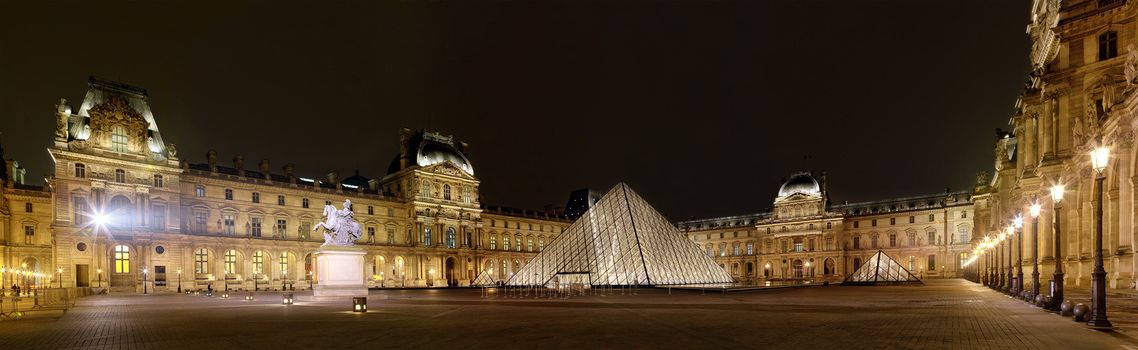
340 272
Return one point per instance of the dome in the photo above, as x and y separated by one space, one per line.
431 153
800 183
429 148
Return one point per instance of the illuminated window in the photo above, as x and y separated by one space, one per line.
493 242
425 189
118 139
122 259
451 240
529 244
750 248
427 236
29 234
390 235
541 245
255 227
80 210
258 262
201 261
446 192
963 234
282 228
230 221
932 238
231 261
158 180
199 190
735 249
518 240
80 170
466 195
120 175
284 264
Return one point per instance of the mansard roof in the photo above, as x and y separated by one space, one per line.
99 91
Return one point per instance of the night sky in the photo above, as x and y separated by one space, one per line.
701 106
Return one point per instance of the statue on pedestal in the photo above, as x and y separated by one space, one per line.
342 224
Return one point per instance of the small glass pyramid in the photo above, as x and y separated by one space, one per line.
880 269
485 279
622 240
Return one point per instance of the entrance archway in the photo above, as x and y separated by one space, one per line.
797 268
451 281
828 267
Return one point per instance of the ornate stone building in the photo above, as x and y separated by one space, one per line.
1080 93
122 209
807 237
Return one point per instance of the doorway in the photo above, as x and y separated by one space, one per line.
451 281
82 275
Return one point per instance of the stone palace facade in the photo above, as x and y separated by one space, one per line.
121 209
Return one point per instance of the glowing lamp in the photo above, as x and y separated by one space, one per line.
1034 210
249 296
1099 157
359 304
1057 193
1018 221
286 298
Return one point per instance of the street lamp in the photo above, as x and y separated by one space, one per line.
1034 211
59 276
808 271
100 277
1018 285
179 281
1099 158
144 273
1057 276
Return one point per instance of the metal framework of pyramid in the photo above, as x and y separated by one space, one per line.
621 240
485 279
880 269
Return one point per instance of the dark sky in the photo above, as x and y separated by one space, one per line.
701 106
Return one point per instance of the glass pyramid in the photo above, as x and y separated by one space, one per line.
485 279
621 240
880 269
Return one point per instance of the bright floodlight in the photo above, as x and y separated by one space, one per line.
1099 157
1034 210
1057 193
1018 221
98 218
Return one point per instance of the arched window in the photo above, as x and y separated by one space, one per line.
120 175
118 139
119 211
503 273
80 170
505 242
201 261
857 263
518 240
284 264
258 262
517 266
541 245
451 241
493 242
231 261
446 192
529 244
122 259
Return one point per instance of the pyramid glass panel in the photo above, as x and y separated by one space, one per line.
880 269
485 279
622 240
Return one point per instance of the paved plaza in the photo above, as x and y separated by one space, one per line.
943 314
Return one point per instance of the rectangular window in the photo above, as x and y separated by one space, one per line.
750 248
390 212
303 231
119 139
201 261
963 214
892 221
873 223
304 203
856 242
80 170
158 216
199 190
518 240
80 211
282 228
932 238
829 244
798 246
29 234
158 181
932 262
1107 46
912 219
829 225
280 200
541 245
493 242
228 194
255 227
390 235
505 242
855 224
932 217
529 244
963 235
200 221
256 197
230 222
370 234
892 240
784 249
811 241
370 210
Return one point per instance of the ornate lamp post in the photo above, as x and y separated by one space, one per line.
1034 210
179 281
144 273
1099 158
59 276
100 277
1018 285
1057 277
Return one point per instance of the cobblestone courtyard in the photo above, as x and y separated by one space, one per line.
942 314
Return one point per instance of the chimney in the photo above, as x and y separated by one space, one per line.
288 168
239 164
265 169
211 159
404 143
373 184
334 178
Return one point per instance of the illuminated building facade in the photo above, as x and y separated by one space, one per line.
122 209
